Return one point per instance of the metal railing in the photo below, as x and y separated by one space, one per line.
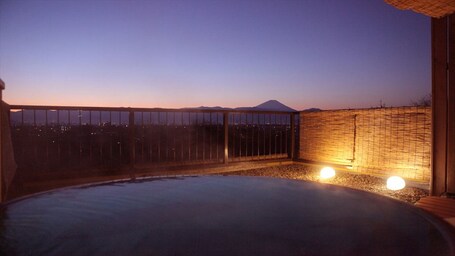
55 138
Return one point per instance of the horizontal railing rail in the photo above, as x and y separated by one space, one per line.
55 138
193 110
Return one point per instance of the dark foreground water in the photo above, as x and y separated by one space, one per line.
216 215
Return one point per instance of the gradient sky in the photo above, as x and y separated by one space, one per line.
308 53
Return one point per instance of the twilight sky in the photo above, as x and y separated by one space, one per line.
148 53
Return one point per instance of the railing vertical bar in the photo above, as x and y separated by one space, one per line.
80 133
226 136
142 136
99 135
287 124
197 136
258 128
262 130
233 135
173 136
292 151
181 137
210 136
275 136
149 140
252 135
240 135
132 141
167 136
111 135
248 136
159 136
22 128
258 125
270 134
247 132
203 136
70 151
35 147
90 136
35 141
58 137
47 139
189 136
120 135
111 146
281 134
217 137
247 129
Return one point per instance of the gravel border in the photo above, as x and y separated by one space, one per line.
358 181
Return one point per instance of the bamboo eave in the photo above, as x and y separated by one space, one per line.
432 8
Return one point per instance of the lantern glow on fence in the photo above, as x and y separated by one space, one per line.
327 173
395 183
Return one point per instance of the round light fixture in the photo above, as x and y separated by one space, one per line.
395 183
327 173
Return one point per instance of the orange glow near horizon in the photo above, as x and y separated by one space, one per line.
139 103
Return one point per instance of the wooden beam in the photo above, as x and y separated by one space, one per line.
439 105
451 106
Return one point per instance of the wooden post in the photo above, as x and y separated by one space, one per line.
443 105
226 136
451 105
2 187
132 141
439 105
291 154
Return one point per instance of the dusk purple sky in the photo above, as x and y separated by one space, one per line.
309 53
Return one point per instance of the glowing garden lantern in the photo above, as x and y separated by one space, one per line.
327 173
395 183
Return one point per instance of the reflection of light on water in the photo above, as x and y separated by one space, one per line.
327 173
395 183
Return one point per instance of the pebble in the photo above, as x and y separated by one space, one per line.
358 181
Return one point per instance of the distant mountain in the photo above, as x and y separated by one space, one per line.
274 105
271 105
210 108
312 110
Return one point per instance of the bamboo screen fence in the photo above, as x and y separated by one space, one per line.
380 141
